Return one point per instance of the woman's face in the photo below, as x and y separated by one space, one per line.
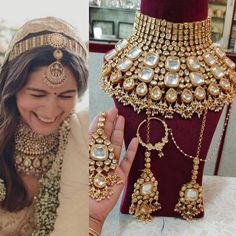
44 108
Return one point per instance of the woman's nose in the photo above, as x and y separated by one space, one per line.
51 107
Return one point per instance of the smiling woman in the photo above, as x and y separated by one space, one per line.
43 142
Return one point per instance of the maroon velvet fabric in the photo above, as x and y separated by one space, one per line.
173 170
176 10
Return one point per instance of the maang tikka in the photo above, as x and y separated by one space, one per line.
55 75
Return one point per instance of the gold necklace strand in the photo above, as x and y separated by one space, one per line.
216 146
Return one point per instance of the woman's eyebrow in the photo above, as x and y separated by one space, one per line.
37 90
68 91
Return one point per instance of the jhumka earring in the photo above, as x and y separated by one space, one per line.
190 203
2 190
55 75
145 195
102 163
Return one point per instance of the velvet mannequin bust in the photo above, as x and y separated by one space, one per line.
173 169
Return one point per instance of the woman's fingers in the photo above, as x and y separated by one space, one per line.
110 119
126 163
118 136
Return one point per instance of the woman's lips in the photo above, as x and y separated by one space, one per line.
45 120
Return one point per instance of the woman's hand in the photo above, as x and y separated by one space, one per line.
114 129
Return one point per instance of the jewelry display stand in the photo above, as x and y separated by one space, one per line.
173 169
170 82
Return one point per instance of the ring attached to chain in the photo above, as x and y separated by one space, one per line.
159 145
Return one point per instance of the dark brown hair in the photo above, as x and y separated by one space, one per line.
13 77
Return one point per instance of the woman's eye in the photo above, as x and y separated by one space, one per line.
65 97
37 95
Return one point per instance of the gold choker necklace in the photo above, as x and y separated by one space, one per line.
34 153
176 65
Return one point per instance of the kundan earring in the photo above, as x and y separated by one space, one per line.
102 164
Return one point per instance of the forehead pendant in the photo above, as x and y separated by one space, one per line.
55 74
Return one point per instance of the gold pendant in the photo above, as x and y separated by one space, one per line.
190 203
145 195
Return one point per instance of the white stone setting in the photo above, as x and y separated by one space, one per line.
110 54
218 72
209 59
146 188
171 80
99 152
196 78
146 74
151 59
172 64
219 52
141 89
193 63
121 44
191 194
134 53
125 64
230 63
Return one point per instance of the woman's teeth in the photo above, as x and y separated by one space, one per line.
46 120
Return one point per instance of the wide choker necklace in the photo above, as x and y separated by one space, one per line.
34 153
173 67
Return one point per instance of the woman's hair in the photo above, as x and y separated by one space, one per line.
13 77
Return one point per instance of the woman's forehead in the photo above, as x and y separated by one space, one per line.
36 79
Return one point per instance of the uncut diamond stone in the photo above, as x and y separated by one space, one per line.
172 63
196 78
128 84
156 93
151 59
99 180
171 95
230 63
219 52
191 194
214 89
171 80
110 54
186 96
99 152
200 93
121 44
141 89
193 63
218 72
225 84
125 64
146 74
209 59
147 188
134 53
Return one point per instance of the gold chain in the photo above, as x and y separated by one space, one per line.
201 138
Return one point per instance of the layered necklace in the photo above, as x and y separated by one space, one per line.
167 68
34 153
